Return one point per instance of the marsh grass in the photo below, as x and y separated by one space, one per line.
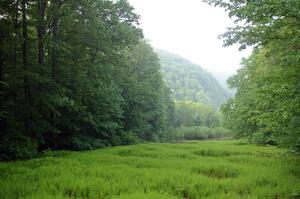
190 170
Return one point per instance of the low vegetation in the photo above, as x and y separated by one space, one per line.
190 170
194 133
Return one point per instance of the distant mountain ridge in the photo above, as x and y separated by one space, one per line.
188 81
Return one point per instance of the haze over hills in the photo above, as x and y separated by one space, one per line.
188 81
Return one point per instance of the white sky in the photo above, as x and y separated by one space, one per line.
190 28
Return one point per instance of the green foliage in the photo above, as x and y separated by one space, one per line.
17 147
129 138
147 101
266 106
195 170
76 75
189 82
188 113
261 22
194 133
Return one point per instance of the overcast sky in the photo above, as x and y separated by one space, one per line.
190 28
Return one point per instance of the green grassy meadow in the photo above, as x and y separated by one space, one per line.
189 170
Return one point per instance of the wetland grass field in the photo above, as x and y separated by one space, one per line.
189 170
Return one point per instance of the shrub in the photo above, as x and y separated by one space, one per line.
262 137
194 133
81 142
171 135
129 138
17 146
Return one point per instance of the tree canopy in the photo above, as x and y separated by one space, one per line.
76 75
267 103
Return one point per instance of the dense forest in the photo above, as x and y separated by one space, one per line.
76 75
189 82
266 107
79 75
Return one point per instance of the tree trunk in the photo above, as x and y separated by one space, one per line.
27 94
16 27
1 65
55 37
41 30
1 60
54 61
15 55
41 46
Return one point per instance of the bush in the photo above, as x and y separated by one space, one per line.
262 137
82 142
171 135
17 146
194 133
129 138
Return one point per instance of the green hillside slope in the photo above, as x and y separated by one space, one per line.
189 81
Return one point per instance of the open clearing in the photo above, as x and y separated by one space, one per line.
190 170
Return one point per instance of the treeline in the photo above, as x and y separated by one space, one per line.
266 107
188 113
194 121
76 75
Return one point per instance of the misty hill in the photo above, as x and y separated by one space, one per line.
189 81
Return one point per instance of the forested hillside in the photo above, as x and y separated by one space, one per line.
189 82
